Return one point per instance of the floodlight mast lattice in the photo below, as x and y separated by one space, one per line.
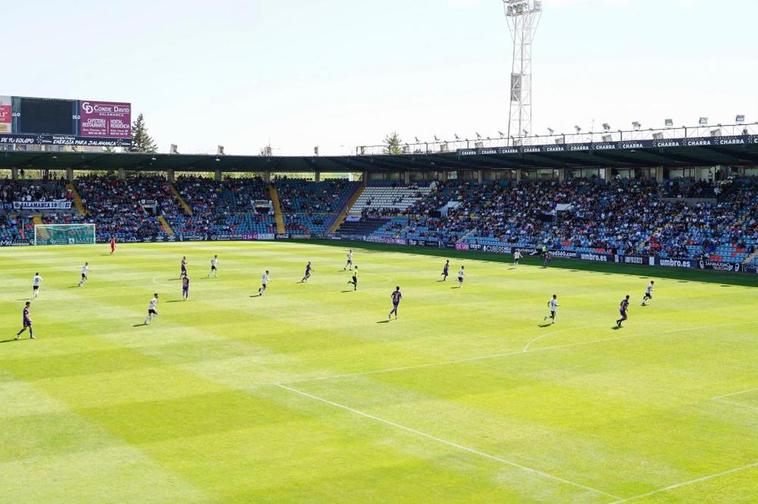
523 18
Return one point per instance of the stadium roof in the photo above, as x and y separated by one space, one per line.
630 155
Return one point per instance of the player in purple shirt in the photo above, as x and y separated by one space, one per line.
185 287
623 308
27 322
445 270
396 297
308 271
183 271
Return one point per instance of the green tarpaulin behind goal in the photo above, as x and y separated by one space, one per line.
64 234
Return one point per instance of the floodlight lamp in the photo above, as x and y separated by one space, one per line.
669 123
636 125
606 127
502 135
578 129
740 119
703 121
550 130
526 133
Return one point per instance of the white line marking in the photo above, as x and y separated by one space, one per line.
690 482
492 356
735 403
734 394
445 442
547 335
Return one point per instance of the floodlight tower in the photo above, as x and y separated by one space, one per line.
523 17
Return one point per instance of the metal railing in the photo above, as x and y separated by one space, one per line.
438 146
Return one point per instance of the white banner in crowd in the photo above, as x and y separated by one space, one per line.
42 205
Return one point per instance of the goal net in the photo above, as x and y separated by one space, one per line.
64 234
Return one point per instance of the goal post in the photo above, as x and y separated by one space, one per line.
64 234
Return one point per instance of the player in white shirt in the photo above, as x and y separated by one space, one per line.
264 283
516 257
553 306
461 275
85 273
349 263
648 293
152 309
36 282
214 267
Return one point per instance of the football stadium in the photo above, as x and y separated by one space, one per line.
526 315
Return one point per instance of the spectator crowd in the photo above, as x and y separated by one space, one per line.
679 218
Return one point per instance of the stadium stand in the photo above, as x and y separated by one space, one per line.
225 209
628 217
17 225
310 208
680 218
388 200
128 209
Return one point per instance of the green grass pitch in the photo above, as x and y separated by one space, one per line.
307 395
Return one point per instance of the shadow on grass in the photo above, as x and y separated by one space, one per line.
140 325
383 322
692 275
545 325
346 291
9 341
175 301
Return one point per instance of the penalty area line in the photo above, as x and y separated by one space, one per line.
445 442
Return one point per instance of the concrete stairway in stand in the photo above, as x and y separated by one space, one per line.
278 215
345 211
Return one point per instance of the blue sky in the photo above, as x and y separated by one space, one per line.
341 73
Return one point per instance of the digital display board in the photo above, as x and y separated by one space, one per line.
39 116
29 121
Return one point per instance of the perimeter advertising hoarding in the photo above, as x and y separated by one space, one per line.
603 146
6 114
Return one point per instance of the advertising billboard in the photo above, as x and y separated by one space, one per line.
46 121
6 114
105 119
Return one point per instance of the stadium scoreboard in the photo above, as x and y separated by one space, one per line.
47 121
